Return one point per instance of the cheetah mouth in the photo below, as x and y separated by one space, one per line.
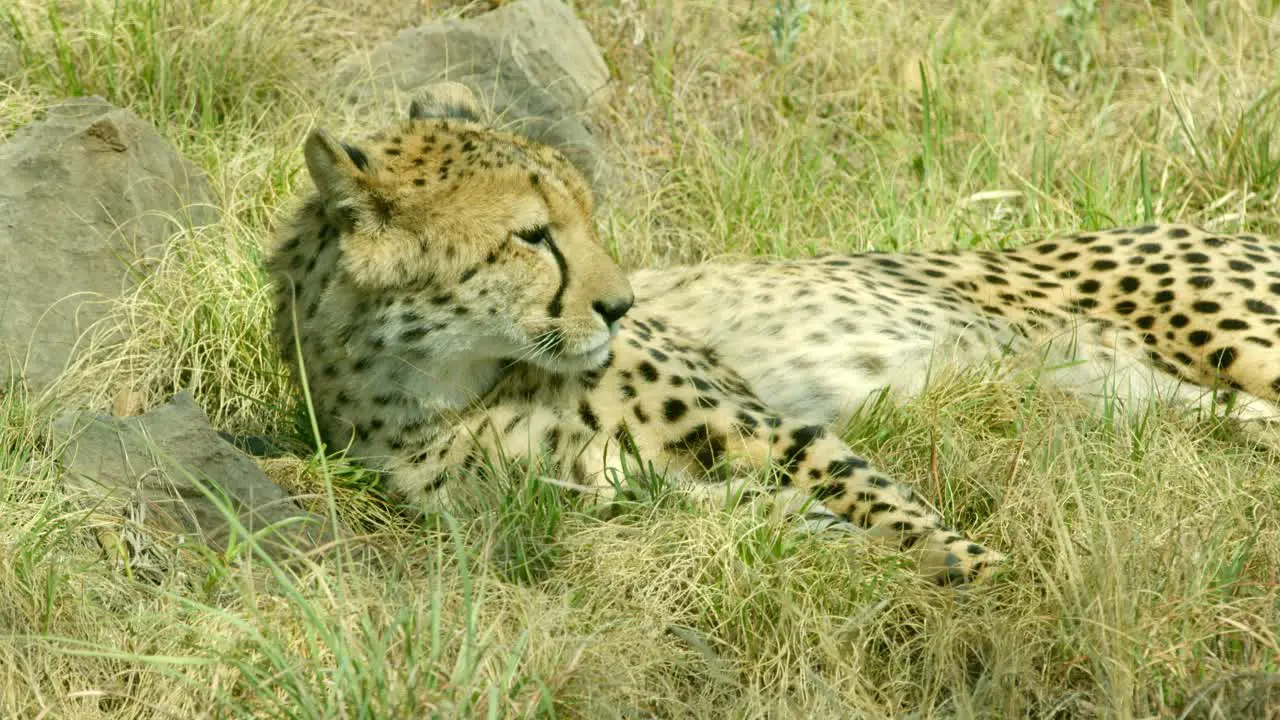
551 352
593 356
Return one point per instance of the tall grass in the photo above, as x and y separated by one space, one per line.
1144 545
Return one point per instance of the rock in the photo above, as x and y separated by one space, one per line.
156 460
532 61
85 194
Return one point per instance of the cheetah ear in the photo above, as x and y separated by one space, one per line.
331 164
446 100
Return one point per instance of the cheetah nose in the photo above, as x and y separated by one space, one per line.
612 311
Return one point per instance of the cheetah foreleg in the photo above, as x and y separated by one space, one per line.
539 438
838 482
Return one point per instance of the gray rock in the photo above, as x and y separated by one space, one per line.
532 61
85 196
161 460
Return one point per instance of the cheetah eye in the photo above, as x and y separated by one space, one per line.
534 236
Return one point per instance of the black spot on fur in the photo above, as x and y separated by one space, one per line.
1259 307
801 439
414 334
647 371
588 416
706 446
1222 358
845 467
674 409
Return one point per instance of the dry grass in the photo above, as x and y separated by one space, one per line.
1146 547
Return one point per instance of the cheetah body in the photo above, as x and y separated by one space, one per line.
1161 312
444 299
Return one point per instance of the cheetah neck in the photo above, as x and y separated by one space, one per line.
451 385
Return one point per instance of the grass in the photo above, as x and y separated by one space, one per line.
1146 546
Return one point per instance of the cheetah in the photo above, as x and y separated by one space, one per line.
443 300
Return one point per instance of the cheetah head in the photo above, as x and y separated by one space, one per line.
483 238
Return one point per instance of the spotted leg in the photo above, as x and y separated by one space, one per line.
812 462
538 435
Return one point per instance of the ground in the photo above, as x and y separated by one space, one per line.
1145 584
